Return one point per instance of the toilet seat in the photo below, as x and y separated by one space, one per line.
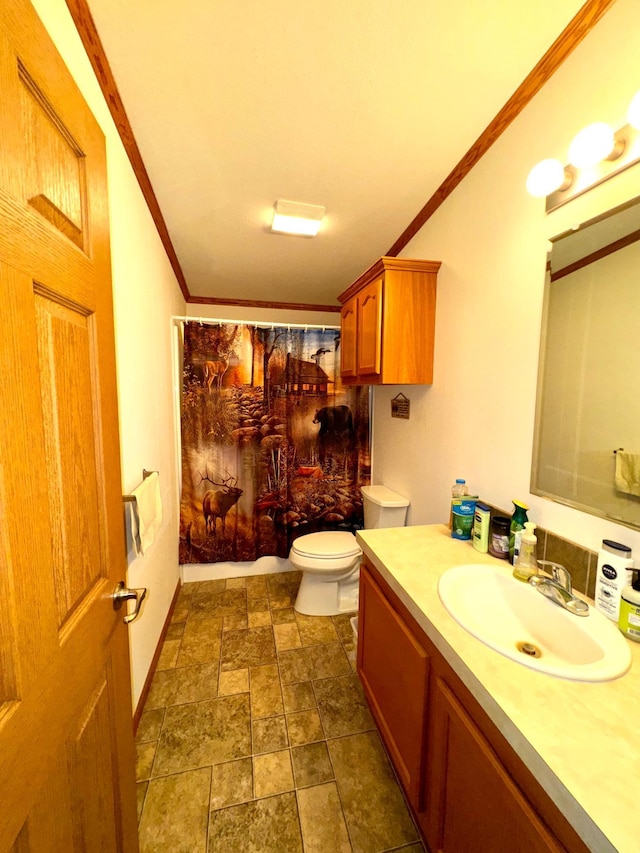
327 545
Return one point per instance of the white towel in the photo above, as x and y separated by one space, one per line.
148 510
628 472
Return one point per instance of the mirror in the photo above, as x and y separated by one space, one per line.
587 437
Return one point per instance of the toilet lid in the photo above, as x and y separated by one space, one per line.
328 544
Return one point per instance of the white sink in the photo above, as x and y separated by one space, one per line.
505 614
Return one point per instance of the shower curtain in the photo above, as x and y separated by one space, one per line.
273 446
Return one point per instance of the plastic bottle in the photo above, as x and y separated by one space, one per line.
458 489
526 563
612 576
481 525
629 619
517 525
499 537
462 513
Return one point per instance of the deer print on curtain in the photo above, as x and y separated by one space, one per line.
273 446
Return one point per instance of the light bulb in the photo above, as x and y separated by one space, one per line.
633 113
545 177
592 144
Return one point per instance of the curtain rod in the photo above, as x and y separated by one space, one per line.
263 324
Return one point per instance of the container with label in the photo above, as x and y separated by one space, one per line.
499 537
463 510
629 619
612 576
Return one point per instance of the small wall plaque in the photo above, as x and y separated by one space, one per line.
400 406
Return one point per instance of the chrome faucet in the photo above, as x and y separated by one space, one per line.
558 588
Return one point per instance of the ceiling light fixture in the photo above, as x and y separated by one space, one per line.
294 217
595 154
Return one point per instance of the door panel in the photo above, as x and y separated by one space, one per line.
67 778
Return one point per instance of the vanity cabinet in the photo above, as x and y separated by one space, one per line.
387 324
467 788
394 669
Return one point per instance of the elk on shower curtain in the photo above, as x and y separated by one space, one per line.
273 446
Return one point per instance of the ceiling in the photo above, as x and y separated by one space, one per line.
363 106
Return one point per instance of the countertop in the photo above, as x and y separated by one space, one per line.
581 740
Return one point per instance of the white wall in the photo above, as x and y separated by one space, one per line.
476 420
146 295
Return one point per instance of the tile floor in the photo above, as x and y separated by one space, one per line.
256 736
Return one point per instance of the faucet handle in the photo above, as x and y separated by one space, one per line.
558 572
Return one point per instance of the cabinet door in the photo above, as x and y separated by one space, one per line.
394 669
472 805
348 335
370 329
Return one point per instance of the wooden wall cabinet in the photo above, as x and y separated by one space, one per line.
469 791
388 323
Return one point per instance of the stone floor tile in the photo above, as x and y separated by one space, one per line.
412 848
258 604
168 654
211 587
269 735
256 586
175 631
296 665
204 733
285 614
174 817
342 706
311 764
342 624
272 773
375 812
187 589
304 727
201 642
145 754
322 820
259 618
329 660
298 696
180 611
235 583
287 636
235 681
245 648
150 725
316 629
141 793
235 621
187 684
225 603
266 696
269 825
232 783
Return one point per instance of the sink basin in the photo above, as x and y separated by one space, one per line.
514 619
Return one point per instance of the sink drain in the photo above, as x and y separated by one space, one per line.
529 649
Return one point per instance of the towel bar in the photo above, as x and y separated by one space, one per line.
145 474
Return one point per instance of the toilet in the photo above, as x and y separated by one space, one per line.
330 560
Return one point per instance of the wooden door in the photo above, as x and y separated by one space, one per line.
348 342
472 804
370 329
394 669
66 746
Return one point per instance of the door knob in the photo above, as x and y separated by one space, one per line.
122 594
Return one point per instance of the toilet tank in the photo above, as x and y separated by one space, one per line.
383 507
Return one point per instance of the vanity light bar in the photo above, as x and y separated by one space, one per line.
585 179
595 155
